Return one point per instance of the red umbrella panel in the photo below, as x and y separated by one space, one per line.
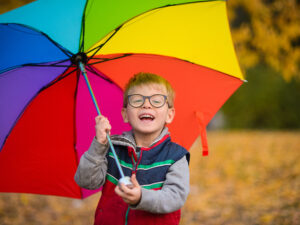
200 91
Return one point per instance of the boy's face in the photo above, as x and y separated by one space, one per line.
148 120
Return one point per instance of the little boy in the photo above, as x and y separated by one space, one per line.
158 167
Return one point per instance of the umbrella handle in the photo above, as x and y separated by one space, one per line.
123 179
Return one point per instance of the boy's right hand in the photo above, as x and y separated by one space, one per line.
102 128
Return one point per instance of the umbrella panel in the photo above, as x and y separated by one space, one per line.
198 89
17 88
38 156
110 101
21 45
60 20
198 33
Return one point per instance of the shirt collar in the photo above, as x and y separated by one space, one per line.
127 138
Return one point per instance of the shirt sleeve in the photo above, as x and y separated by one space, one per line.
92 168
173 194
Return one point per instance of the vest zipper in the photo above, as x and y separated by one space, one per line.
138 161
135 165
126 216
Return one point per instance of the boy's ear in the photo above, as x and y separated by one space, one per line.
124 115
171 115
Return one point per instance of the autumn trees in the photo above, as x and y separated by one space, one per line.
267 31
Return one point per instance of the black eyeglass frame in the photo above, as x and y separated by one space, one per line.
149 98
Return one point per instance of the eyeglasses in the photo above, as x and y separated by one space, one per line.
137 100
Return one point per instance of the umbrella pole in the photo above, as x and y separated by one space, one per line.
124 179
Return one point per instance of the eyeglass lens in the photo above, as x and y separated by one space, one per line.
137 100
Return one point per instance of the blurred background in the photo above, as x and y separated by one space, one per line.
252 175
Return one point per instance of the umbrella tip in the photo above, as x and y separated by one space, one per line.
79 57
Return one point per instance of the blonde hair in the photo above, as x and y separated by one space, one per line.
149 78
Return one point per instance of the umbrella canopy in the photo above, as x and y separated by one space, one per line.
47 115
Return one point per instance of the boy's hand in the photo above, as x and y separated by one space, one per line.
131 196
102 128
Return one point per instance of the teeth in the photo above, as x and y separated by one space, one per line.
146 116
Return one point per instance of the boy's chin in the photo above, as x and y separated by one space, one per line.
148 132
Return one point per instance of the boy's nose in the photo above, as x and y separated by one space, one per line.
147 103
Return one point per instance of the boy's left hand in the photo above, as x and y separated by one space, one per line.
132 195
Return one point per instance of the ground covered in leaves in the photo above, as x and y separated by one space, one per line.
249 178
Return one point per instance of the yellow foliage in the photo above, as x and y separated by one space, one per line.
249 178
268 32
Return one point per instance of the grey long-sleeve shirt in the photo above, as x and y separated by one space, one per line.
91 174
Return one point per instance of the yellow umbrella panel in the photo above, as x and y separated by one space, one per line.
196 32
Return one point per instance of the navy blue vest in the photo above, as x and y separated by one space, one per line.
150 167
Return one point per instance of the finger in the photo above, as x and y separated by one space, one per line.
119 191
103 123
124 188
123 195
108 127
134 180
100 117
97 118
103 118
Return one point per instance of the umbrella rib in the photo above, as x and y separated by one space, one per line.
35 65
59 78
81 48
56 64
108 59
185 3
92 70
59 62
97 49
65 51
166 6
74 122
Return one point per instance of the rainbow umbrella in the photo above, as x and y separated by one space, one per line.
47 112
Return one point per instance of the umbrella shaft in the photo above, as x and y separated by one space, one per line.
99 113
82 68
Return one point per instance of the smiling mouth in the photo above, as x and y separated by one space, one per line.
146 117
